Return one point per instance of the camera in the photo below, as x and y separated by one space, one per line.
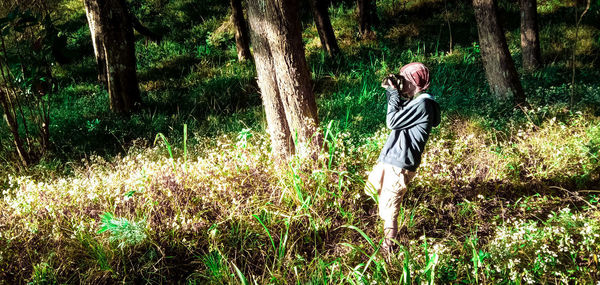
394 79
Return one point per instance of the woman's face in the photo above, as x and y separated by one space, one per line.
408 89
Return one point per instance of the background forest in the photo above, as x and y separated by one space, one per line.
182 185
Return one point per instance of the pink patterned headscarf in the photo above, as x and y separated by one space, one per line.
417 74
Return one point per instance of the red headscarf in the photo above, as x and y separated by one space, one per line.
417 74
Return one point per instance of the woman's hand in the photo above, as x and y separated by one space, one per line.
387 83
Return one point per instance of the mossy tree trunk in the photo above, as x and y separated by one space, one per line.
284 76
114 28
321 15
242 41
500 70
530 39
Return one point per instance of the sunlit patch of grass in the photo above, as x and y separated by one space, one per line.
346 30
404 32
551 6
560 39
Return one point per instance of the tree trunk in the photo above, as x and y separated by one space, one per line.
499 67
143 30
116 32
366 17
323 23
92 12
282 145
530 41
11 120
293 75
241 30
279 21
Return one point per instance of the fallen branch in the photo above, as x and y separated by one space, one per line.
576 195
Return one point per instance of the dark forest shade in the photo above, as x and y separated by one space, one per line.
530 39
323 23
11 119
500 70
242 41
276 22
367 17
112 25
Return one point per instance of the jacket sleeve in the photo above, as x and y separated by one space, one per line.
400 117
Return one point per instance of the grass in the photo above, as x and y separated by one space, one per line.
502 195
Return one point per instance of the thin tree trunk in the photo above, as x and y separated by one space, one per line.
282 145
530 39
323 23
10 118
366 17
116 33
573 66
241 30
92 11
499 67
140 28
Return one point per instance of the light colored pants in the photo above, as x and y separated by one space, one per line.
390 184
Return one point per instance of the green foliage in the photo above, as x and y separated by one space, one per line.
124 232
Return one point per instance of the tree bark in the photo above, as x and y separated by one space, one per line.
241 30
92 11
293 75
282 31
323 23
530 39
282 145
115 30
499 67
366 17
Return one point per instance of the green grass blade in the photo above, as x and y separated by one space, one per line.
184 146
240 275
268 233
369 240
169 149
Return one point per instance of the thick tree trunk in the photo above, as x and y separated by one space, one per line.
323 23
281 140
530 39
92 12
293 75
241 30
499 67
367 17
116 32
279 20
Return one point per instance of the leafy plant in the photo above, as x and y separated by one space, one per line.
124 232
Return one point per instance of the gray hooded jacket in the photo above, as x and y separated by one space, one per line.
410 122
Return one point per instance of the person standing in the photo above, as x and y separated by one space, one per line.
411 114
